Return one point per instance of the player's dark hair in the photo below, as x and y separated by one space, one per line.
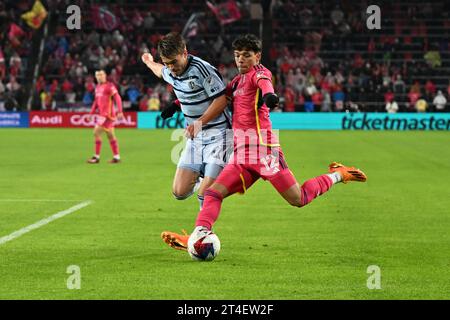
247 42
171 45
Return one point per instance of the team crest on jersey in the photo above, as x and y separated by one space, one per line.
191 85
260 74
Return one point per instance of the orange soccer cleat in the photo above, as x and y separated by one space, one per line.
347 173
175 240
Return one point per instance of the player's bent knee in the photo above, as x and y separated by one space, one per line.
181 195
217 189
295 201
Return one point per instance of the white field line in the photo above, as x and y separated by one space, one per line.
43 222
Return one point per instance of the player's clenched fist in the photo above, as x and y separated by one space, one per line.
147 58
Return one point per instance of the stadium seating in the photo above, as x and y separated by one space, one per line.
335 50
323 56
17 41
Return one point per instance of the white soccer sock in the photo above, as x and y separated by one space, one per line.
200 229
97 156
117 157
335 177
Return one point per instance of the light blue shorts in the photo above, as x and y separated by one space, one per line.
206 159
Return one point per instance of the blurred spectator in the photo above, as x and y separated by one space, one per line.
289 100
40 84
144 103
440 102
414 94
2 96
45 100
391 107
16 35
133 95
67 86
430 88
149 21
154 103
338 98
399 85
13 86
388 96
2 65
326 102
421 105
309 106
337 16
352 107
316 99
78 70
306 17
88 98
433 58
15 64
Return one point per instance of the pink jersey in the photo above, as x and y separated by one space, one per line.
250 114
104 94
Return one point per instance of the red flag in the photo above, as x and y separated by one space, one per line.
15 34
192 26
225 12
104 19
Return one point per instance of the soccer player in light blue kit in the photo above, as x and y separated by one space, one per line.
201 94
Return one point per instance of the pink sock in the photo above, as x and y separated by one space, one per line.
98 146
210 210
315 187
114 147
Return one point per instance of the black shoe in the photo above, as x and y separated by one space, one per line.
93 160
114 160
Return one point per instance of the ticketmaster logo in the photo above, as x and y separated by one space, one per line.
352 122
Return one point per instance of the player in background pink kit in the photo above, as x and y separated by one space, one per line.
105 92
257 153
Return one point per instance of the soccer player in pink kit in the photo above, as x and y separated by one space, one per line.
105 92
257 153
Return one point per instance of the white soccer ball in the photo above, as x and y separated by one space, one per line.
203 245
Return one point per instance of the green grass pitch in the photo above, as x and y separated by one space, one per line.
399 220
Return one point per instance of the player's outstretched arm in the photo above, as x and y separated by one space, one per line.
271 100
156 68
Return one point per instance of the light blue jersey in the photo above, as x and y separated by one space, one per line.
196 88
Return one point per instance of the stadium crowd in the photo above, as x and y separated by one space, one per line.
322 56
15 48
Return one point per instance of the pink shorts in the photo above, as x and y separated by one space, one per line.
238 175
105 123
